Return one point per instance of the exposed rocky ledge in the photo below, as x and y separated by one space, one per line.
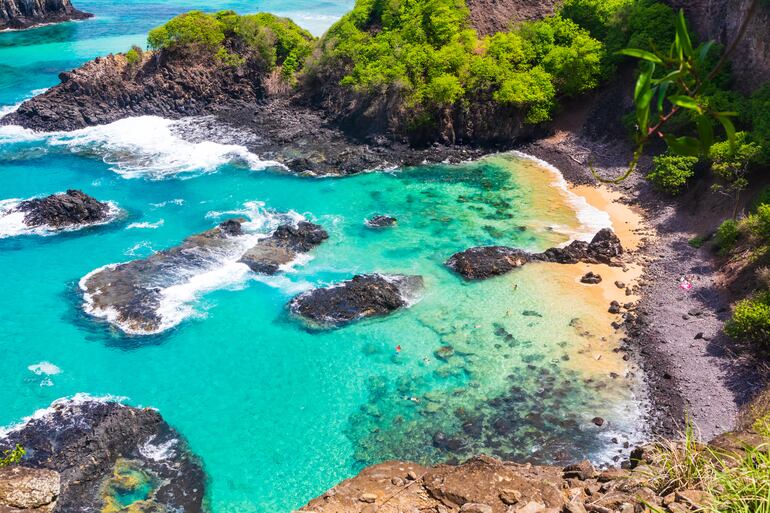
487 485
486 261
130 294
366 295
21 14
57 211
88 455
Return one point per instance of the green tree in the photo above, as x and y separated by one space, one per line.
670 173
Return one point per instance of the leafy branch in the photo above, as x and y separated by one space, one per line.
671 83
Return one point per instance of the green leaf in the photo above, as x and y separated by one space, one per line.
683 36
671 76
687 102
723 118
705 131
662 90
644 81
641 54
688 146
704 50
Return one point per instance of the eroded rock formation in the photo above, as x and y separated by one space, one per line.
20 14
62 210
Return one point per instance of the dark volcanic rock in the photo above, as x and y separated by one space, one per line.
91 444
62 210
283 246
365 295
109 88
21 14
381 221
487 261
591 278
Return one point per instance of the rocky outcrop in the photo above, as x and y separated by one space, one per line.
283 246
487 261
73 208
163 84
381 221
89 455
21 14
28 489
366 295
129 295
490 16
720 20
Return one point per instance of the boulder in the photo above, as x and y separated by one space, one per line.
381 221
77 450
72 208
591 278
283 246
366 295
486 261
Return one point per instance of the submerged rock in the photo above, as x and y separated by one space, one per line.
486 261
71 208
21 14
85 455
366 295
381 221
283 246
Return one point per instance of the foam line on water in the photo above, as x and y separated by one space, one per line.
12 221
144 147
591 219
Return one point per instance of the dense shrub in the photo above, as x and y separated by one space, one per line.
751 319
12 456
428 51
134 55
670 173
727 235
233 38
758 223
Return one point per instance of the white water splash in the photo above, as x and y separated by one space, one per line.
146 225
143 147
44 369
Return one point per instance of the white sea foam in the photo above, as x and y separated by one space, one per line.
78 399
146 225
158 451
178 202
145 146
44 369
591 218
179 301
12 221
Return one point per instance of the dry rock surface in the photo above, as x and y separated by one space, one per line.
21 14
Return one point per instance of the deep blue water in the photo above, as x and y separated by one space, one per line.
276 412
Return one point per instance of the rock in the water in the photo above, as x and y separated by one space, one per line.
88 445
21 14
486 261
24 488
56 211
365 295
591 278
381 221
283 246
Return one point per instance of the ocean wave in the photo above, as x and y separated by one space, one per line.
146 225
179 287
44 369
12 221
48 412
145 147
591 219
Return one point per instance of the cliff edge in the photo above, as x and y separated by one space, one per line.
21 14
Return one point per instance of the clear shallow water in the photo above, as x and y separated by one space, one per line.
278 413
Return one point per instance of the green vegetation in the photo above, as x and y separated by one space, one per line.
233 39
735 481
726 236
730 162
670 173
427 52
134 55
12 456
751 319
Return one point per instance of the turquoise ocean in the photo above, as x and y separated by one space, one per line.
278 413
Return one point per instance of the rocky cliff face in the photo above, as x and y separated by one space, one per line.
720 20
490 16
19 14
